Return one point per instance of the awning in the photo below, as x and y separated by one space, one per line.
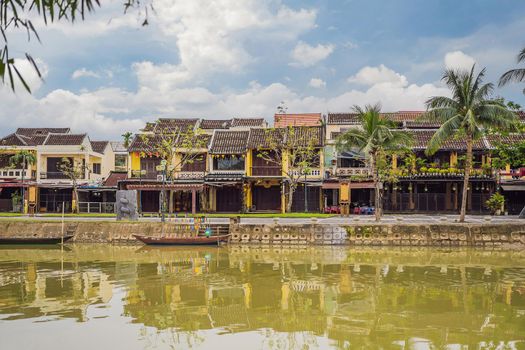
13 184
513 187
159 187
361 185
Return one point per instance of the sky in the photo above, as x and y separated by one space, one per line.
220 59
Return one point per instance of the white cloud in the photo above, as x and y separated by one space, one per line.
458 60
106 112
84 73
317 83
304 55
376 75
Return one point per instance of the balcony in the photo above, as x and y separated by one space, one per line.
314 172
362 171
146 175
266 171
189 175
55 176
14 174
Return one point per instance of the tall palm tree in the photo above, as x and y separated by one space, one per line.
373 138
514 75
24 158
466 115
127 138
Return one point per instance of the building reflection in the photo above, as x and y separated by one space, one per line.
364 298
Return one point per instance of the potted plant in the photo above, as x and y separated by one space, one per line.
495 203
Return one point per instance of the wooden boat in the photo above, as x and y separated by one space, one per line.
34 240
199 240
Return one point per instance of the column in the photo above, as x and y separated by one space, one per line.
193 201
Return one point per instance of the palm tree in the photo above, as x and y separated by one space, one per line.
514 75
127 138
466 115
374 137
24 158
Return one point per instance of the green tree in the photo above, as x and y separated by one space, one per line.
375 138
23 158
295 150
514 75
127 137
19 14
467 115
74 171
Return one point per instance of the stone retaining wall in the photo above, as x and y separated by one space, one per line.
489 234
382 234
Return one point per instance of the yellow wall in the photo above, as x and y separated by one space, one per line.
285 163
394 161
453 159
135 160
248 163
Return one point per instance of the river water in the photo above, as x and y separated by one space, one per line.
130 297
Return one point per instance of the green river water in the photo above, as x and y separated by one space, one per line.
130 297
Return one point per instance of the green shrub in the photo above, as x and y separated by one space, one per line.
495 202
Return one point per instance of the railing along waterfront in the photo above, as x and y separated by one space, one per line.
96 207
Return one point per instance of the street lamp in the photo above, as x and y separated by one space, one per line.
163 193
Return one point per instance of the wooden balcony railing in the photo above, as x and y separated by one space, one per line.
55 176
352 171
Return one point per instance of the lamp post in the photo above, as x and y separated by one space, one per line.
23 188
305 195
163 193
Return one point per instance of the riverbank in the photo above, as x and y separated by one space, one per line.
511 232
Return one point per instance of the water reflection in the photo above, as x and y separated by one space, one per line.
274 297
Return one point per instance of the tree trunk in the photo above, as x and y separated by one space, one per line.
291 191
468 166
75 199
375 178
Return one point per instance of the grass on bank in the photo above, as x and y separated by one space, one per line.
211 215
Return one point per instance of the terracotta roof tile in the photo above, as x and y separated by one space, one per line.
209 124
99 146
114 177
247 122
263 138
422 137
41 131
13 140
65 139
147 142
301 119
509 139
229 142
342 118
420 124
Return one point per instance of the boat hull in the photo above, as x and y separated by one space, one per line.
182 240
34 240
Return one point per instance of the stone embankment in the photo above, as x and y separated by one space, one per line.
362 234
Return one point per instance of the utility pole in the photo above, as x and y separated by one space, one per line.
23 188
305 195
162 203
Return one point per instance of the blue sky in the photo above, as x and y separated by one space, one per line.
226 58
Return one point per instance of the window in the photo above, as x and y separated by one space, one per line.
121 161
228 162
97 168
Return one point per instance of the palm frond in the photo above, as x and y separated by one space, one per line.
444 133
513 75
521 55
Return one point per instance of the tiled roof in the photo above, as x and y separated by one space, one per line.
215 124
352 118
302 119
144 143
422 138
229 142
147 143
403 116
65 139
13 140
118 146
421 124
263 138
99 146
247 122
303 135
509 139
306 134
170 124
342 118
114 177
41 131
